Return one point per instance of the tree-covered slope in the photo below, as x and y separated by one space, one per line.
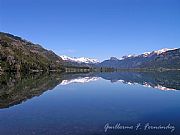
17 54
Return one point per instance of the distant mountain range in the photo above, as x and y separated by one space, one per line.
17 54
164 58
80 60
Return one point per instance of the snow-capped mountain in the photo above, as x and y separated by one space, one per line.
164 58
163 50
79 60
128 56
157 52
148 54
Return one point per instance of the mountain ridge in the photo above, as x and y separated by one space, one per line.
18 54
80 59
146 54
164 58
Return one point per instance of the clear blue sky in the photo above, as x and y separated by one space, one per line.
94 28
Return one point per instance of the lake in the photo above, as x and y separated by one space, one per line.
135 103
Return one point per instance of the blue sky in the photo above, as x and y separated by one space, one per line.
94 28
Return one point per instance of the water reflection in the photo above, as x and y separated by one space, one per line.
16 88
81 104
160 80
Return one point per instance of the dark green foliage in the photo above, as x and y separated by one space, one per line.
17 54
16 88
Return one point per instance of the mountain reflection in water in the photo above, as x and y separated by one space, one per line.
16 88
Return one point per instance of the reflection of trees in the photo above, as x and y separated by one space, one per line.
17 88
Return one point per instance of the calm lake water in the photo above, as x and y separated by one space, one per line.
90 104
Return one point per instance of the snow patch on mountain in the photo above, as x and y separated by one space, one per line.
79 60
163 50
147 54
